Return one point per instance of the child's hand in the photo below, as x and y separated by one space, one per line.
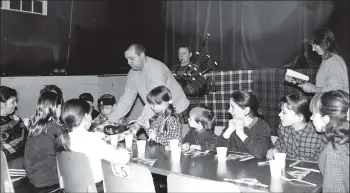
152 135
26 121
185 146
143 121
238 124
232 126
270 153
195 147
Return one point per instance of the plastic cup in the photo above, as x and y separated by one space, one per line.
281 159
275 169
141 146
176 166
114 140
128 141
173 143
176 154
221 153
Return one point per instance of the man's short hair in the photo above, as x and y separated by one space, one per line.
106 99
87 97
185 46
138 48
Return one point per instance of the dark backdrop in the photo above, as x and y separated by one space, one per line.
100 33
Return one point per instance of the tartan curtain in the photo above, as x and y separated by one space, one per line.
267 84
226 82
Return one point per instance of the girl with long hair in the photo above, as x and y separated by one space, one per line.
247 131
39 154
76 121
329 115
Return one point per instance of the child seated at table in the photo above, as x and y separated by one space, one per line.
164 125
39 155
107 105
13 130
201 135
297 136
330 112
90 99
247 131
76 120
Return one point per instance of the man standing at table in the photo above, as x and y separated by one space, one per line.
147 73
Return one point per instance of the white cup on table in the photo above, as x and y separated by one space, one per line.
114 140
221 153
173 143
141 146
128 141
275 169
176 154
281 159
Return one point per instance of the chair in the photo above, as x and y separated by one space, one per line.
74 172
179 183
273 139
139 179
6 182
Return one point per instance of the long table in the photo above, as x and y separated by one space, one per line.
208 167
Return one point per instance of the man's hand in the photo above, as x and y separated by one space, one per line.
307 87
270 154
185 146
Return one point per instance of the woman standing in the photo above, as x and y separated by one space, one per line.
332 74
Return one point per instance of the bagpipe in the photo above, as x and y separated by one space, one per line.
192 80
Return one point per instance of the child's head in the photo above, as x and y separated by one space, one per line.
52 88
160 99
294 109
48 107
244 104
8 100
88 98
107 104
201 118
76 113
329 115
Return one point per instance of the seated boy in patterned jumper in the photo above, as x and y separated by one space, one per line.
297 136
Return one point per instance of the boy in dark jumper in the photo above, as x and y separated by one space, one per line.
201 135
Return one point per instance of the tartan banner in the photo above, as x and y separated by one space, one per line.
225 82
270 87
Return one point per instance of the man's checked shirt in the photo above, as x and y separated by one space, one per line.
174 129
13 136
305 144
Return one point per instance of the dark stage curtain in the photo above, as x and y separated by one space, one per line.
244 34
